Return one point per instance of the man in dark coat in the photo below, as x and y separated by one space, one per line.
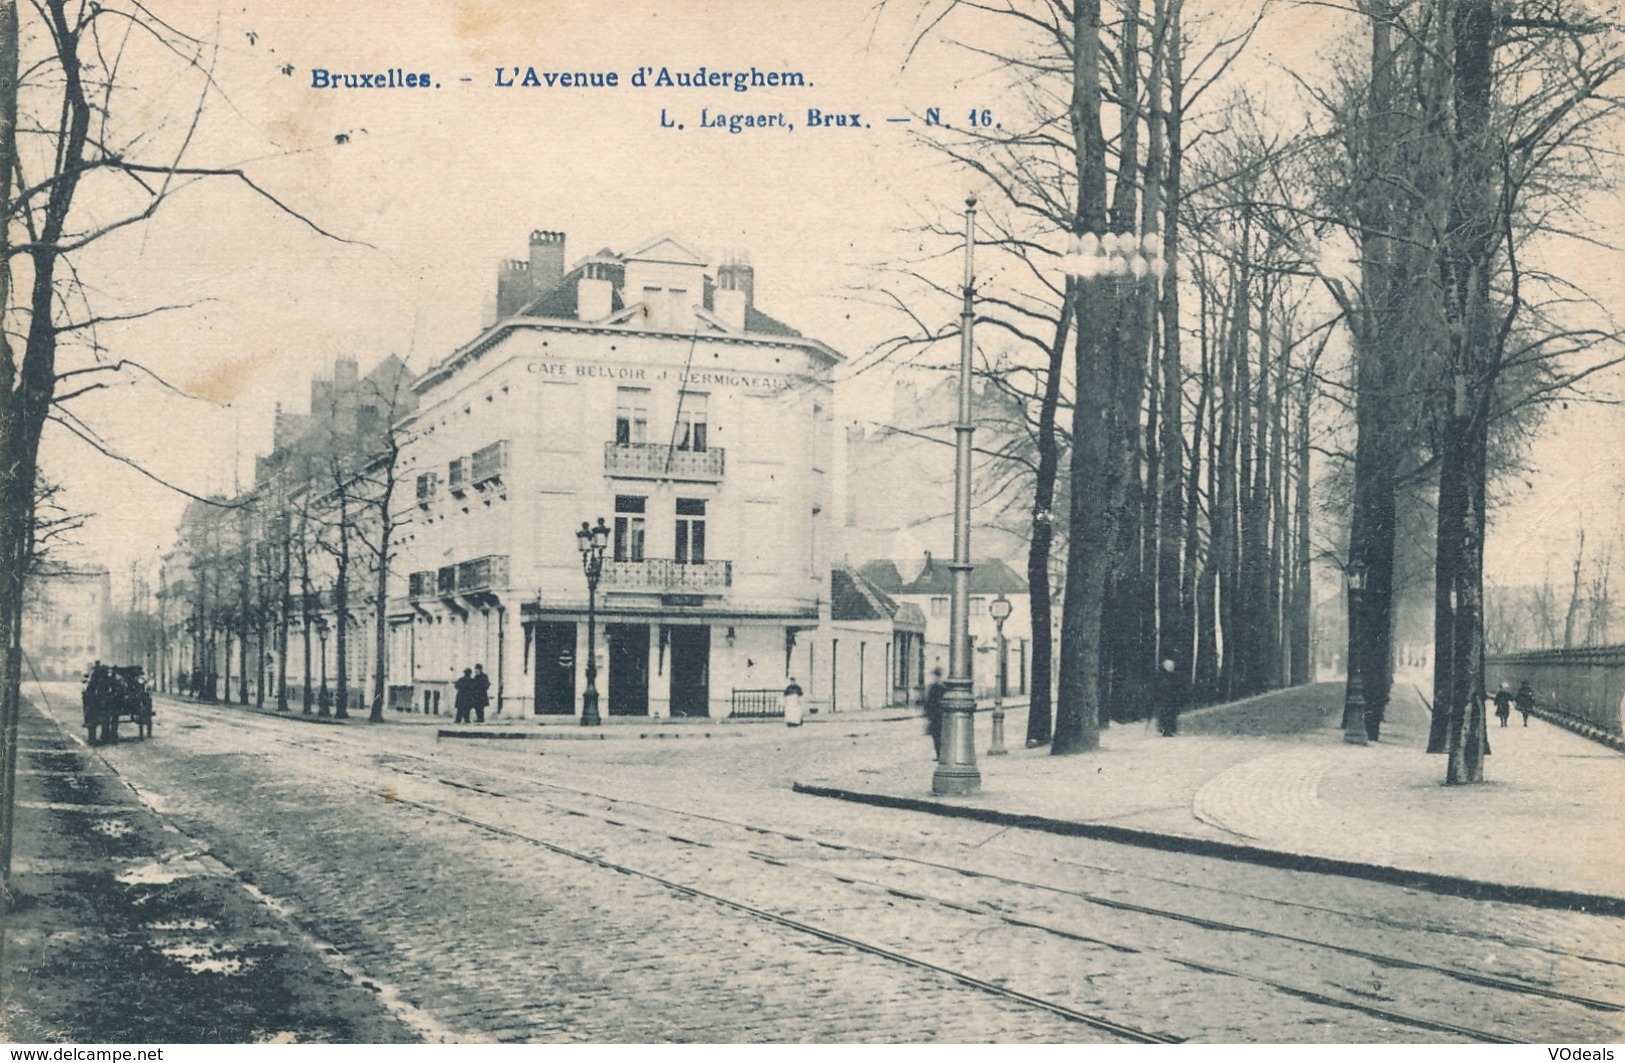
465 695
481 692
1526 700
933 711
1170 698
1503 704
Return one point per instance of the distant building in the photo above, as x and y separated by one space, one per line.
65 622
645 388
900 477
927 586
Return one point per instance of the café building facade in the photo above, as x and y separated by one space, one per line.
645 388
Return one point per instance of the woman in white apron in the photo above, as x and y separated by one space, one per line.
792 704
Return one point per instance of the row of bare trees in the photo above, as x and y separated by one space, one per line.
70 125
1364 286
305 556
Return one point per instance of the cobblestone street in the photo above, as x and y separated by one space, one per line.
638 890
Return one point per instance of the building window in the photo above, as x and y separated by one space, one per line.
631 416
691 420
663 307
629 527
939 607
978 607
691 531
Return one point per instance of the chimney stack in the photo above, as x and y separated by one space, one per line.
520 281
736 290
546 260
595 292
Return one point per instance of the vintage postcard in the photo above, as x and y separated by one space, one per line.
884 522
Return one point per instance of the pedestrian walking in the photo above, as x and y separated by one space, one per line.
1170 698
1503 704
792 704
465 695
480 692
1526 700
933 711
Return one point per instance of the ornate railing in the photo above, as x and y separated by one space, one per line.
759 704
482 573
664 574
1586 684
657 460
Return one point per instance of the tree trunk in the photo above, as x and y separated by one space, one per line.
1092 522
1041 668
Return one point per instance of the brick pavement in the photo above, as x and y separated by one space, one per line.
501 940
1548 818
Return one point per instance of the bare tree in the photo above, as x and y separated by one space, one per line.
65 126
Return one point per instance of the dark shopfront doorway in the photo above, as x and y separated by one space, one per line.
555 669
690 671
628 669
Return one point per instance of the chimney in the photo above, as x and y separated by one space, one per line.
736 275
546 260
513 287
595 292
729 304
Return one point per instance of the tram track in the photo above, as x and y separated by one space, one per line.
480 782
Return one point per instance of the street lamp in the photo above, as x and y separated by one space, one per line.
1116 255
592 542
323 699
999 609
956 771
1354 692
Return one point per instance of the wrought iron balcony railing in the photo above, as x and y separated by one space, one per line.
482 574
659 461
665 575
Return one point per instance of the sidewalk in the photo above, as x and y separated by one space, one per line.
1269 780
120 929
510 724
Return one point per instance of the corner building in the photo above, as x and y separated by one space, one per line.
646 389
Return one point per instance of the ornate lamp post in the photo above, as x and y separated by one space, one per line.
323 699
592 542
956 771
1354 732
999 609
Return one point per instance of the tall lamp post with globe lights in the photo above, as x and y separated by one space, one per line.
592 542
956 771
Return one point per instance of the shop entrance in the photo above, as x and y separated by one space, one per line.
690 671
628 669
555 669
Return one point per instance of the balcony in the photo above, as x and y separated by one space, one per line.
428 483
421 584
489 463
662 575
457 477
657 461
482 574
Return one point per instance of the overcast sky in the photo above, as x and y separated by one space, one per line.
434 186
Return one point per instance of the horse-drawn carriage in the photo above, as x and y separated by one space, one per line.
113 693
